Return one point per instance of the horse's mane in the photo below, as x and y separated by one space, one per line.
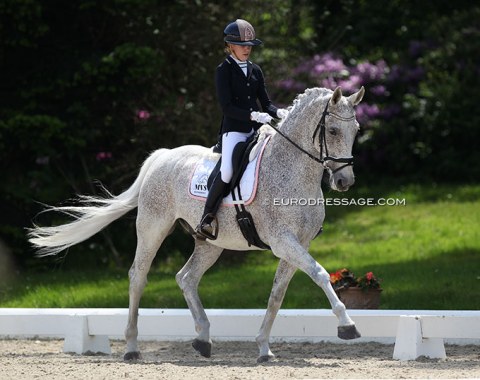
305 98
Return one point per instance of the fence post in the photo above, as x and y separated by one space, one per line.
410 344
79 341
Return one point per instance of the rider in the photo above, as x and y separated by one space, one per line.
239 84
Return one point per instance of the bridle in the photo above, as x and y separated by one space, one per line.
320 130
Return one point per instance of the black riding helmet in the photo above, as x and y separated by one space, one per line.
240 32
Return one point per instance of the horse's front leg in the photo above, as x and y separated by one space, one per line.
289 249
284 274
188 278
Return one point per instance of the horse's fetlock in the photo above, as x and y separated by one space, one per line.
204 323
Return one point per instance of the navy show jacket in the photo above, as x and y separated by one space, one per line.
238 95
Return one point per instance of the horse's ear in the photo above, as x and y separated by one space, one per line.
337 95
357 97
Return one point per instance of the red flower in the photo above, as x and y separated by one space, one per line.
334 277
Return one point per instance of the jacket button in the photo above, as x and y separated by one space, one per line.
248 84
248 97
251 109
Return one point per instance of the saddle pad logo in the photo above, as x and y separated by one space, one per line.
198 185
248 183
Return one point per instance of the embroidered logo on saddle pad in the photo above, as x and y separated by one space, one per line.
248 183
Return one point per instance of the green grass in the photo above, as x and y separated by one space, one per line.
427 253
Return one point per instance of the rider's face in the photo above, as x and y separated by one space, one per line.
240 52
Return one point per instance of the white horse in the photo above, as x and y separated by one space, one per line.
317 135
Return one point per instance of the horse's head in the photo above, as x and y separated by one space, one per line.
335 135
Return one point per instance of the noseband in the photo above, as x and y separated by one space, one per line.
320 130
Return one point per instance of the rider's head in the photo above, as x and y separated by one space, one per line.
239 37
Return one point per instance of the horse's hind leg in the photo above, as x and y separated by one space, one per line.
284 274
150 235
188 278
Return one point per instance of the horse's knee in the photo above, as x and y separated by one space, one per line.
322 276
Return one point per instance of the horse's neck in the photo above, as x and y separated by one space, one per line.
294 165
289 160
303 118
299 127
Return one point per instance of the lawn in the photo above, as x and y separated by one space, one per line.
427 253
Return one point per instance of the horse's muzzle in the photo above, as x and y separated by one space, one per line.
341 182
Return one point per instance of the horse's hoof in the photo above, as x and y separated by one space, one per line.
348 332
131 356
203 348
265 358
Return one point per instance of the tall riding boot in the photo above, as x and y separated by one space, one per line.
207 229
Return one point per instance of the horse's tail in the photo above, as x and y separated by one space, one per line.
91 216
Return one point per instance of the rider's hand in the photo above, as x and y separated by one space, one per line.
282 113
261 117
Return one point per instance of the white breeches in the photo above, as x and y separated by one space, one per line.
229 141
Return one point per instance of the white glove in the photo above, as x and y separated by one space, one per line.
261 117
282 113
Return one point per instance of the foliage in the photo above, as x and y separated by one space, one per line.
417 117
88 89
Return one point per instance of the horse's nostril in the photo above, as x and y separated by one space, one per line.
340 183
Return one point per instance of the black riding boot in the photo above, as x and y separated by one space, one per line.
217 148
207 229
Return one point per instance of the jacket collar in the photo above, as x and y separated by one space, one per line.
236 67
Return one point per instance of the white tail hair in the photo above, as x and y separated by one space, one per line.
91 216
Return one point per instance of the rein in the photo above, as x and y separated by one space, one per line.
322 141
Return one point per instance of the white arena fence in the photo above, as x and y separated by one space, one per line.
414 332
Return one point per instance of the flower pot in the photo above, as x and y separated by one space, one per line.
356 298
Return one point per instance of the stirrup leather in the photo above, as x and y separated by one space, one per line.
207 230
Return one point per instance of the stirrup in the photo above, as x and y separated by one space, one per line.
207 230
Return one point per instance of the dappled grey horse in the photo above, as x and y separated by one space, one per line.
317 135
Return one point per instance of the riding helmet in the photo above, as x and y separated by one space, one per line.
240 32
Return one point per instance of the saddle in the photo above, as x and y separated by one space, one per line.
240 160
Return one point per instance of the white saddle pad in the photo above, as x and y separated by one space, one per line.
248 183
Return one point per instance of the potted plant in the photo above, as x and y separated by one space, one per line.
356 293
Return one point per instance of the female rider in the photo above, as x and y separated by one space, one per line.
240 86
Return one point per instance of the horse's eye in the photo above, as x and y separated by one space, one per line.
332 131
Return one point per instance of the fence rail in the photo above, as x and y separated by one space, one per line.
415 332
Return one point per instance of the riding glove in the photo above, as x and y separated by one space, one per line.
282 113
261 117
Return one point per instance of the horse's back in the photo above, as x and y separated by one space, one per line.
167 180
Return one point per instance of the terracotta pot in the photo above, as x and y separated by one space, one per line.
356 298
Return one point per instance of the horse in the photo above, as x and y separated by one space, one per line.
316 137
